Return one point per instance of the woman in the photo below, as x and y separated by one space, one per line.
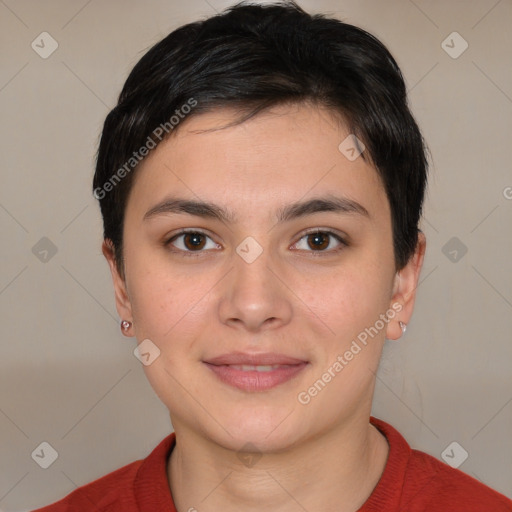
261 181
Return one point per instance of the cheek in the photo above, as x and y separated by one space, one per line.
168 303
170 309
349 300
158 305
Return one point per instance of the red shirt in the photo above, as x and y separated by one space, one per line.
412 482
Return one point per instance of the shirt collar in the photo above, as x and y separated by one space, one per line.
152 491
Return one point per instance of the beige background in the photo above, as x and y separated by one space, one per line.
69 378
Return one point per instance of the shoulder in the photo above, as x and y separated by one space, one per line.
122 490
419 482
105 494
438 485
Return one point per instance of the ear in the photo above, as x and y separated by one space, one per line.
404 289
123 305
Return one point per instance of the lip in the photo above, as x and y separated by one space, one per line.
267 358
227 368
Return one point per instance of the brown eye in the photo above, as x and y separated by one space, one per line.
318 241
187 242
194 241
321 242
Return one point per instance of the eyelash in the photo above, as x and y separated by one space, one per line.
320 253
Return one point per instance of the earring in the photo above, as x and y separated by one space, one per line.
403 327
125 325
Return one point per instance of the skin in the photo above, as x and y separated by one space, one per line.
293 299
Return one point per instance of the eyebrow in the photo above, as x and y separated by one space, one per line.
341 205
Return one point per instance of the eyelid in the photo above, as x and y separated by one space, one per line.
169 239
340 237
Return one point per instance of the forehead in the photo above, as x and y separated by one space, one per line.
285 153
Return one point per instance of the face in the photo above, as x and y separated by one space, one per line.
287 262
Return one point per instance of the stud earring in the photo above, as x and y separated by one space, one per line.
125 325
403 327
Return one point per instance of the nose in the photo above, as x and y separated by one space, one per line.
254 297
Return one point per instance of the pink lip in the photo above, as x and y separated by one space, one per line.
253 380
267 358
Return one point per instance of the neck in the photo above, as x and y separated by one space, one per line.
335 471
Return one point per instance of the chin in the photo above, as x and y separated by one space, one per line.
267 430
